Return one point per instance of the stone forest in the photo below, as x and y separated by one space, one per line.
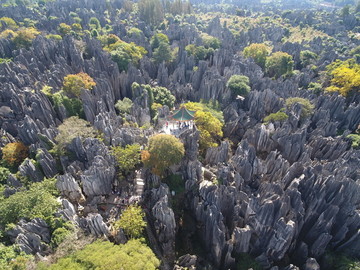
179 135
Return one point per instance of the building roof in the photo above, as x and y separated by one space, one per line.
182 114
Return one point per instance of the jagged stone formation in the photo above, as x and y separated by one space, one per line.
284 192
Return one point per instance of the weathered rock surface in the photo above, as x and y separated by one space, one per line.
163 223
31 237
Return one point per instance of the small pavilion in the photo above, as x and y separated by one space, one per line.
182 114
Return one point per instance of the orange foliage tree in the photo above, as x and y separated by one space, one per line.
14 153
74 83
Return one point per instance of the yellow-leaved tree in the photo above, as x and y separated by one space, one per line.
74 83
209 122
345 77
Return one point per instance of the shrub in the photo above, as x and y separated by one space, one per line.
59 235
278 116
132 221
103 255
73 106
355 138
316 87
210 41
163 96
307 107
239 85
23 38
39 201
74 83
278 64
76 27
64 29
14 153
164 150
54 37
307 57
124 106
245 261
258 52
94 23
4 174
10 23
70 129
126 157
10 259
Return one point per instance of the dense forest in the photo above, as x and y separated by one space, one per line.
98 171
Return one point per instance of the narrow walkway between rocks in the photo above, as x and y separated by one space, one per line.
139 183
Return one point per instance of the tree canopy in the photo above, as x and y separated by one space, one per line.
239 85
104 255
164 150
307 107
71 128
209 125
36 202
278 64
126 157
345 77
14 153
132 221
258 52
74 83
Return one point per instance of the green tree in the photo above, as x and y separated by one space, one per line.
74 83
164 150
124 53
162 53
307 107
73 106
121 58
104 255
278 64
71 128
157 38
126 157
124 106
163 96
11 259
278 116
210 129
132 221
4 174
307 57
258 52
210 41
355 140
38 201
94 23
239 85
